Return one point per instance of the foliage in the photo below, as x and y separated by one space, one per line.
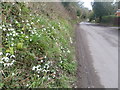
112 19
36 50
91 16
102 9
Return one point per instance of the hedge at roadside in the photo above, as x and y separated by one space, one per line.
112 20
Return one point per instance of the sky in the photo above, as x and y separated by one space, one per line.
87 3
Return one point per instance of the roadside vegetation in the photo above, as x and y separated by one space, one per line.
37 45
105 13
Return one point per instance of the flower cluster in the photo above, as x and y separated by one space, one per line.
8 59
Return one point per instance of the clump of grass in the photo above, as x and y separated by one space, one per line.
36 50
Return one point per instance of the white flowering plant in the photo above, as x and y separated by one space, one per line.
36 50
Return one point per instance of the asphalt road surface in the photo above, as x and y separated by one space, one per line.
97 56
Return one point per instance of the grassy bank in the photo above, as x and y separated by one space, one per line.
36 49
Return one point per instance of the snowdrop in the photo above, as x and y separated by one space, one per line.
20 9
4 29
16 21
9 29
8 64
34 67
12 56
45 57
0 27
12 29
52 27
30 39
7 34
7 54
13 3
41 60
26 37
21 32
13 74
23 21
28 24
27 21
14 34
10 25
6 59
12 38
68 51
38 20
32 23
27 85
10 34
44 29
3 25
12 44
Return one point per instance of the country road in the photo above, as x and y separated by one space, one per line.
97 56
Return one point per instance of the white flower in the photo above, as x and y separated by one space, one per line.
14 32
5 59
1 53
12 29
3 25
13 3
28 24
12 44
68 51
0 27
16 21
49 78
13 74
34 67
44 29
7 54
41 60
37 75
7 34
54 73
12 56
26 37
11 34
12 38
4 29
9 29
21 32
22 21
53 76
27 85
61 61
38 20
32 23
30 39
52 27
27 21
45 57
10 25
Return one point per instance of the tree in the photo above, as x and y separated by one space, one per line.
102 9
